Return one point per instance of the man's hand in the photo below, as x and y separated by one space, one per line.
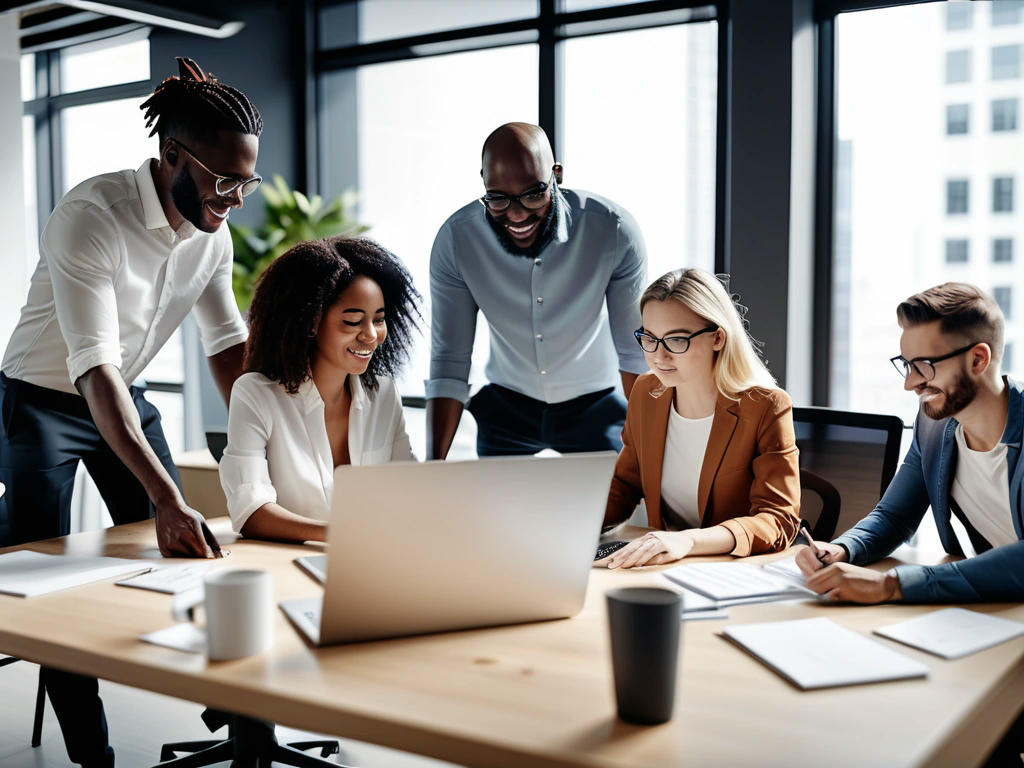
853 584
654 548
830 553
179 531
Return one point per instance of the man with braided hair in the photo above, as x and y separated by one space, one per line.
123 259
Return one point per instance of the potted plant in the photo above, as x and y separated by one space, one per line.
291 217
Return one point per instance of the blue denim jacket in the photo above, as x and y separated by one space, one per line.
924 479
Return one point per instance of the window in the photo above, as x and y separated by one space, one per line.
1005 12
1005 62
956 196
420 114
958 15
904 190
1002 250
1002 194
1008 357
956 251
958 66
1003 294
957 117
1004 115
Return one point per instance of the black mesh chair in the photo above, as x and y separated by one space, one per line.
848 457
250 743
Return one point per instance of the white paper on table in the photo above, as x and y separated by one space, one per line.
28 574
181 637
953 632
727 581
818 653
169 579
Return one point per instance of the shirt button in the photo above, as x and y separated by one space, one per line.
540 337
538 262
543 373
540 299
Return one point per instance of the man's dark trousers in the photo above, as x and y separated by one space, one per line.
509 423
44 433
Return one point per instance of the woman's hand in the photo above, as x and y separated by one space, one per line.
653 548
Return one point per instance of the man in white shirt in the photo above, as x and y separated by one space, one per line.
123 259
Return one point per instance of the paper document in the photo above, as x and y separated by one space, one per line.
730 581
953 632
169 579
181 637
29 574
314 565
818 653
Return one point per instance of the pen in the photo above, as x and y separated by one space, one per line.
818 554
211 540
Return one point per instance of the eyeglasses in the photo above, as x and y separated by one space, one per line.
677 345
531 199
924 366
225 185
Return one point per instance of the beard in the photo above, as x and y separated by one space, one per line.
185 196
954 399
550 226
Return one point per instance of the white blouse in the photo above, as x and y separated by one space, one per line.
278 449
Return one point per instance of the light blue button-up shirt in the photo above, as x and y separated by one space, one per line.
561 323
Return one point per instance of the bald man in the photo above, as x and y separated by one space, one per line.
558 276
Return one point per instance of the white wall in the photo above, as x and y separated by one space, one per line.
13 261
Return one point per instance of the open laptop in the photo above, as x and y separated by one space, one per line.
437 546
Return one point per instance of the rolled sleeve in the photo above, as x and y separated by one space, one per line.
216 312
244 471
453 314
627 284
83 253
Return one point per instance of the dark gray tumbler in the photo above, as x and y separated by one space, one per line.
644 625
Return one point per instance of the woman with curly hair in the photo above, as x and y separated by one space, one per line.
330 324
708 440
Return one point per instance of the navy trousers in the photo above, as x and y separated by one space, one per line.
509 423
44 433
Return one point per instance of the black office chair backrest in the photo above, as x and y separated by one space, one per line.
820 509
856 453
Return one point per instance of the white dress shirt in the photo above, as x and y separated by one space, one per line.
278 449
113 283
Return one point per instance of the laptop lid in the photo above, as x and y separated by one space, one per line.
438 546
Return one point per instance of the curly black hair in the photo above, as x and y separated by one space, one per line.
194 103
297 290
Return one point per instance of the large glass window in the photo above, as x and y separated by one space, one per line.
958 15
104 137
957 118
97 64
1006 12
904 195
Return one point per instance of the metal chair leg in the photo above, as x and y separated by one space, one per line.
37 722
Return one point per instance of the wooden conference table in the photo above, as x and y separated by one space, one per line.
536 694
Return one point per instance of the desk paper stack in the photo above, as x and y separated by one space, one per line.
735 583
29 574
953 632
818 653
169 579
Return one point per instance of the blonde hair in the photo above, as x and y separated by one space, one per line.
737 366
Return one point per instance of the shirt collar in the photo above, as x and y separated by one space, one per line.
310 396
152 209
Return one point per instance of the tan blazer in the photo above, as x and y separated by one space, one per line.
750 479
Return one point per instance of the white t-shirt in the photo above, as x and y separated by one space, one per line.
685 443
982 489
113 283
278 449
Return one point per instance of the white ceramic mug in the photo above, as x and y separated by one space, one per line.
239 609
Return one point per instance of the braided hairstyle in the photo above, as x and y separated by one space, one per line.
196 104
300 286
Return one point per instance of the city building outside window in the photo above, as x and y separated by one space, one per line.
1005 12
1004 114
1002 194
957 119
958 16
1005 62
1002 250
956 251
1003 294
958 66
956 195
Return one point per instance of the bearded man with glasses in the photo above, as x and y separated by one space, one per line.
964 461
558 275
123 259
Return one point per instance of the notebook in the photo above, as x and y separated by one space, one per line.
818 653
28 574
953 632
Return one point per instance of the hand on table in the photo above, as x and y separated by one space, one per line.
181 530
653 548
853 584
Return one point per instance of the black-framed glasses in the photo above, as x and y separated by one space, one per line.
674 344
531 199
225 185
925 366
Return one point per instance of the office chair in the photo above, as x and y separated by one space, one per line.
250 742
854 453
824 527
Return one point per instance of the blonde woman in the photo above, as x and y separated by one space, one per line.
708 441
